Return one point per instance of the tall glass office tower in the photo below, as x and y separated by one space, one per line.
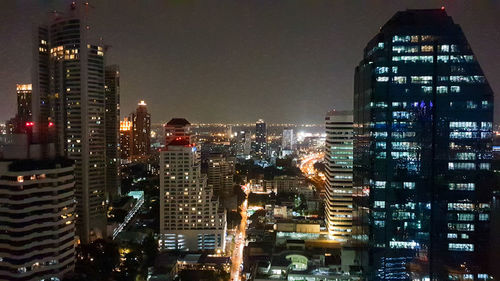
423 113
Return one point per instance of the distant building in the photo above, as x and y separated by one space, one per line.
24 113
37 218
125 139
423 116
287 142
220 173
242 144
260 139
288 184
141 131
338 171
190 218
112 120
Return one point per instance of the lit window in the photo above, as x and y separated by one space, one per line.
421 79
427 48
382 79
379 204
442 89
381 70
462 247
399 79
455 89
401 39
444 48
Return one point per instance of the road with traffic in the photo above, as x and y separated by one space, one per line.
237 257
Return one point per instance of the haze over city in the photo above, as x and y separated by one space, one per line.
236 61
249 140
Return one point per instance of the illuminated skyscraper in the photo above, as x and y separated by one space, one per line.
24 102
260 139
68 92
112 120
125 139
190 218
338 166
423 114
141 131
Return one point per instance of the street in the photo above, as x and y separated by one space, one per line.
237 257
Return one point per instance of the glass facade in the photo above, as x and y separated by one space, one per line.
423 114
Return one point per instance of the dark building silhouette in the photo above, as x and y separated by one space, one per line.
112 121
423 113
260 139
24 102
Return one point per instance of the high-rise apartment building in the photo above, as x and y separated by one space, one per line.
338 171
68 94
37 213
220 173
141 131
190 217
24 102
112 121
125 139
260 139
423 114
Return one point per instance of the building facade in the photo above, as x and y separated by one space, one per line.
24 113
177 127
423 114
37 213
260 139
125 139
338 171
220 173
112 120
141 131
190 217
68 94
287 142
242 144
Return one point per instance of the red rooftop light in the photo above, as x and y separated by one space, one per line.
29 124
442 7
51 124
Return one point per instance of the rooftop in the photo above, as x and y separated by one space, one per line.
178 122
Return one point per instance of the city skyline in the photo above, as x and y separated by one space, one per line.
401 181
258 60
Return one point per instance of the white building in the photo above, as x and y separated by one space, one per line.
37 212
338 161
190 218
68 94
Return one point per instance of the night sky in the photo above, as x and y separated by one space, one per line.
235 60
